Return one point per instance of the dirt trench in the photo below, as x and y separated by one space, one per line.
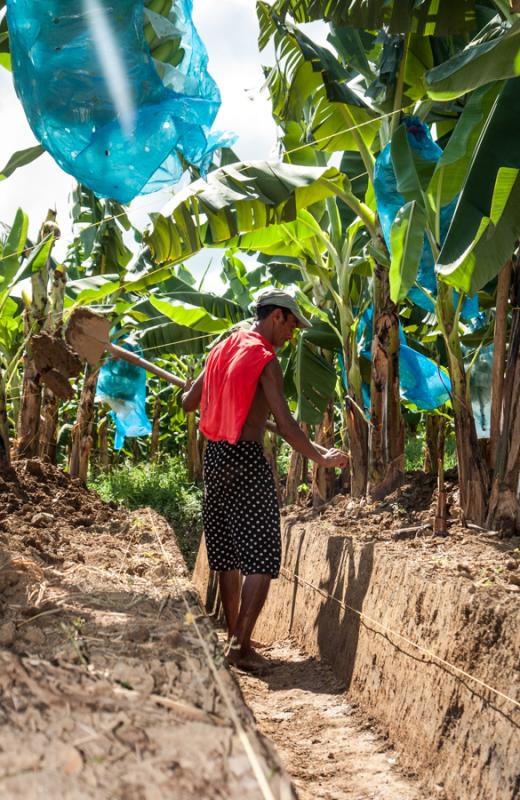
112 682
325 743
421 631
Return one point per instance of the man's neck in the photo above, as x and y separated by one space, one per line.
264 329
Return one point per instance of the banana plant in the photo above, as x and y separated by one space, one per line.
481 62
22 261
318 117
425 17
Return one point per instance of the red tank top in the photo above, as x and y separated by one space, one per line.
231 377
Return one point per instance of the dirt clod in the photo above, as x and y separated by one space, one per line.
88 334
56 362
7 634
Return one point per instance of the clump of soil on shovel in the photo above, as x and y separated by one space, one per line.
56 362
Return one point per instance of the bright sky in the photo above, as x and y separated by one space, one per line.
229 29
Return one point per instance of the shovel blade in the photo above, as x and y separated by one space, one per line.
88 334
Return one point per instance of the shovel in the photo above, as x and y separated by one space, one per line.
88 334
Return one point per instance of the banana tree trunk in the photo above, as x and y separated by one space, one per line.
323 480
434 441
136 452
29 421
296 475
82 431
504 506
386 439
441 514
294 478
499 358
194 463
5 449
50 403
473 475
104 457
156 429
48 426
355 422
28 435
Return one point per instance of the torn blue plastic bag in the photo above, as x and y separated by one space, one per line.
119 95
423 383
389 201
123 387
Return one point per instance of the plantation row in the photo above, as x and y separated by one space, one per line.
392 213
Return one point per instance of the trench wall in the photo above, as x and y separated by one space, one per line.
462 738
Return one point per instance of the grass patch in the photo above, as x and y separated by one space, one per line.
414 452
165 488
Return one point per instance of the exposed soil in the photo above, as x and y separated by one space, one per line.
423 631
106 684
111 682
325 742
490 559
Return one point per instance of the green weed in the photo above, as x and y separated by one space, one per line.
165 488
414 452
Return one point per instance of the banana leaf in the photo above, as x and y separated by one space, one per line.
477 65
20 159
12 250
427 17
195 318
407 241
235 201
486 222
315 381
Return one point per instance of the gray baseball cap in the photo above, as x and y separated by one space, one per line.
275 297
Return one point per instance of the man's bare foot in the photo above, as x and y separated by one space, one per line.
254 643
247 659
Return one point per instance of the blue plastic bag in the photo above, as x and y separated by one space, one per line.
423 383
389 201
481 382
119 121
123 387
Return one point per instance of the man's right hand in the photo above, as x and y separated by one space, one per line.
334 458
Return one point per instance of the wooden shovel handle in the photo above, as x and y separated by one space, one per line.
132 358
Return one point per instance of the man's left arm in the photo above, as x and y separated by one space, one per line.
273 428
192 393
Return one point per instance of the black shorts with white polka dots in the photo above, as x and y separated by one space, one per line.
240 510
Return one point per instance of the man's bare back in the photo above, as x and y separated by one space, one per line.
254 426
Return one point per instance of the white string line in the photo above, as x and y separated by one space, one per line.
375 119
26 250
224 694
348 130
292 575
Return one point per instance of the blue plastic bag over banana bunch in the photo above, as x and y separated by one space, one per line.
389 201
117 91
423 383
123 387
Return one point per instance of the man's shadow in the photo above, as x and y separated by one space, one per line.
338 625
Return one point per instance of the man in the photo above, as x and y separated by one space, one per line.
240 385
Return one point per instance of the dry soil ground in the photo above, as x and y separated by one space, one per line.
326 744
111 683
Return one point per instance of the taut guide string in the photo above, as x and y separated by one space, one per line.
289 576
